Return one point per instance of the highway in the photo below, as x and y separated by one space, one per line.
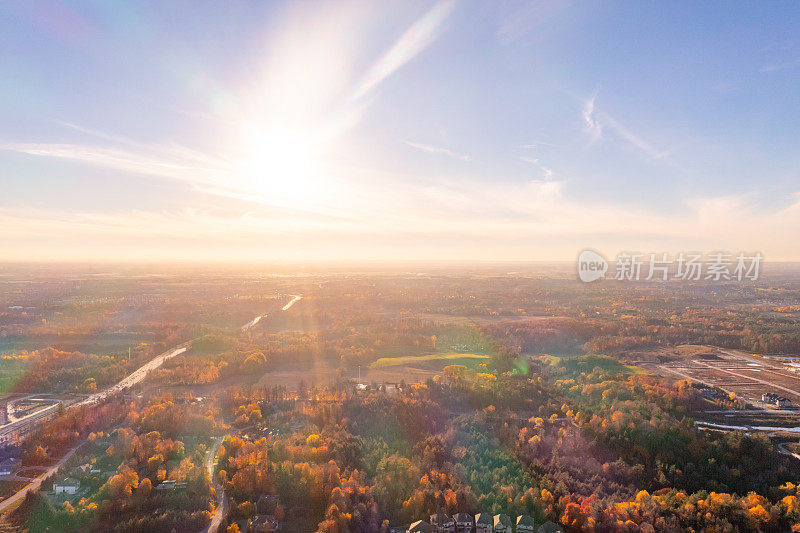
136 376
22 426
257 319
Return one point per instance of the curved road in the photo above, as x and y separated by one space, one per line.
222 501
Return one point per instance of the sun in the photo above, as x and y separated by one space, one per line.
278 165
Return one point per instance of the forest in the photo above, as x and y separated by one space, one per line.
548 418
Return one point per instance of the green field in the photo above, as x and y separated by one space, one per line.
11 371
447 358
587 363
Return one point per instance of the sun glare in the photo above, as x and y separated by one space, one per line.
278 165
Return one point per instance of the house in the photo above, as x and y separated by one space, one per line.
421 526
167 484
483 523
82 470
550 527
8 465
709 393
502 524
265 523
464 522
525 523
67 485
443 523
774 399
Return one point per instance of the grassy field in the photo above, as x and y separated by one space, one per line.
587 363
11 371
466 359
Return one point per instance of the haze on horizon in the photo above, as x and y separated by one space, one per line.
457 130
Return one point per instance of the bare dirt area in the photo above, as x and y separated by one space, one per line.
668 354
746 375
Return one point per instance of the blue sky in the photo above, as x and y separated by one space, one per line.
397 130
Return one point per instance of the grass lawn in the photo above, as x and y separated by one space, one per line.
446 358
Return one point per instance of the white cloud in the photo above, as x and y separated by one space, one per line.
438 150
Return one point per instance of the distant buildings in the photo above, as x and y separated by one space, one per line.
421 526
776 400
167 484
264 523
482 523
8 465
443 523
550 527
67 485
525 523
502 524
464 522
709 393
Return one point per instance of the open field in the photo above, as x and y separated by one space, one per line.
386 369
590 362
468 359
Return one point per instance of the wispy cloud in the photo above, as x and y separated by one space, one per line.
596 123
438 150
529 20
775 67
593 126
176 165
416 39
536 144
547 171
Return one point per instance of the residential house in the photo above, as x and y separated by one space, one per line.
421 526
464 522
264 523
82 470
502 524
525 523
167 484
8 465
443 523
484 523
550 527
68 485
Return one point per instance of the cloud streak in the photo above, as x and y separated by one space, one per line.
597 123
438 150
417 38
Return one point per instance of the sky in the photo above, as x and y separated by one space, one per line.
384 131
